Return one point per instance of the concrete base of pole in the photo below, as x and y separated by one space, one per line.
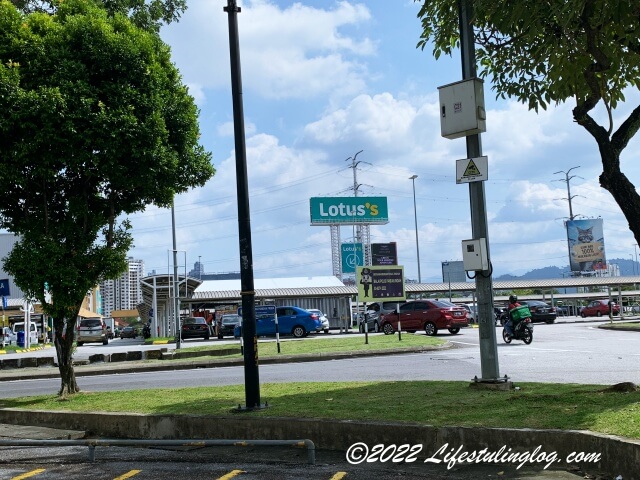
502 384
244 409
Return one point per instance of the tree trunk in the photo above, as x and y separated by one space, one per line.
623 192
63 340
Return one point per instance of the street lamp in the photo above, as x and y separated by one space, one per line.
415 218
633 267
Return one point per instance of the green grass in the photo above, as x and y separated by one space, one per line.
328 344
438 403
623 326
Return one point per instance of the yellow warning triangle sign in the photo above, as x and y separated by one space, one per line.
471 170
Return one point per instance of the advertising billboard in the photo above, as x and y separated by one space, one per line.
384 254
352 257
380 283
586 245
348 210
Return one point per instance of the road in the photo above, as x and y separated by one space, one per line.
562 353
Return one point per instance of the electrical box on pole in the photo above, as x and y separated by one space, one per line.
462 110
474 255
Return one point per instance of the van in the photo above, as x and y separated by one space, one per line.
92 330
33 334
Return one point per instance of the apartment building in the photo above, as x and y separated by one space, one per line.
124 292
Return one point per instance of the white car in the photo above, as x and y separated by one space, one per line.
8 337
322 317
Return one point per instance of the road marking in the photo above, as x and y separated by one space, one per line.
231 474
129 474
339 476
32 473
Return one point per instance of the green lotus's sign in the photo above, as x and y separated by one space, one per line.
349 210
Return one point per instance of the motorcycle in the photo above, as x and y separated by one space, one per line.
522 331
146 331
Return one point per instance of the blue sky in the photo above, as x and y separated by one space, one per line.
323 80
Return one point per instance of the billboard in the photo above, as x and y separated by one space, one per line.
380 283
586 245
352 257
348 210
384 254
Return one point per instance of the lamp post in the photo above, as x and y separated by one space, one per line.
635 246
633 267
415 218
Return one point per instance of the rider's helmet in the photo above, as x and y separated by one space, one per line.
513 299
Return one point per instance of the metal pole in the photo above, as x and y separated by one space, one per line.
415 217
176 301
567 179
484 285
251 376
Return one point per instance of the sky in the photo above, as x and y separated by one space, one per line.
323 80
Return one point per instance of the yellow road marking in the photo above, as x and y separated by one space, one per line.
29 474
231 474
128 475
339 476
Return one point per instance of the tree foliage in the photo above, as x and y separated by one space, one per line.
94 123
553 51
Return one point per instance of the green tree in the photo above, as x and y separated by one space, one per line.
553 51
95 124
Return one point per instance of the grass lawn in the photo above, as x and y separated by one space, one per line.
439 403
328 344
622 326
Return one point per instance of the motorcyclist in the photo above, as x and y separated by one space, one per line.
510 325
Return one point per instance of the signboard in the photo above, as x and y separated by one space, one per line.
4 288
262 311
586 245
352 257
472 170
348 210
384 253
380 283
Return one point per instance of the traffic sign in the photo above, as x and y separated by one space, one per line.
472 170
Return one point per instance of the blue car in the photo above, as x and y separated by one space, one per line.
291 321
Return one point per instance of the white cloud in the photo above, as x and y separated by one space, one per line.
294 52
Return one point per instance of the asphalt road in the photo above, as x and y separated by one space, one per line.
560 353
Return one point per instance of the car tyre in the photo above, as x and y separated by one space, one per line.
105 341
430 329
598 313
505 336
376 327
299 331
387 328
220 336
550 321
582 314
326 330
454 331
80 344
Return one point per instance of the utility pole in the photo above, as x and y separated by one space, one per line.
484 284
567 180
250 339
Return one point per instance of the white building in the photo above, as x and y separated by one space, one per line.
7 241
125 292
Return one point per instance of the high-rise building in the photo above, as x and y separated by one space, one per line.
124 292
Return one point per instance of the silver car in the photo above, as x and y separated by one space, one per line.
322 317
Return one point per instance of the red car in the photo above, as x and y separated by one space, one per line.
598 308
427 315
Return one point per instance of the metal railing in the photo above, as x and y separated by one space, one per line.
102 442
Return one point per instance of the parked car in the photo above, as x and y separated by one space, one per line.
540 311
427 315
92 330
472 312
375 312
8 337
195 327
598 308
323 319
227 324
128 332
294 321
